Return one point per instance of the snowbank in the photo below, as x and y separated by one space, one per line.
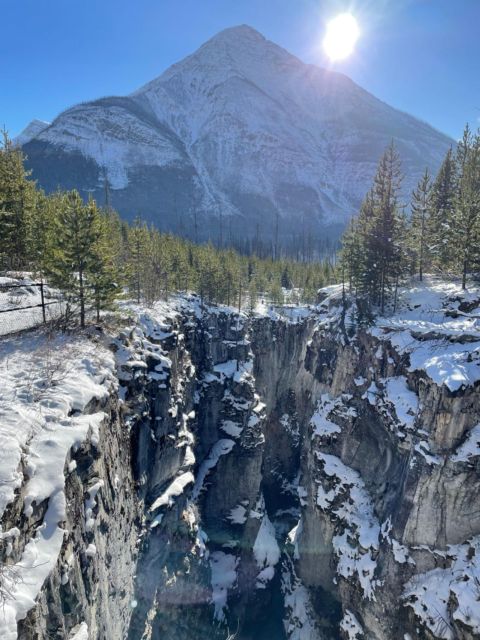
46 384
441 340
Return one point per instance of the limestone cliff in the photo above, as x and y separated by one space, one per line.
288 475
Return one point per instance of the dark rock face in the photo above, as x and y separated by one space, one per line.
102 585
308 510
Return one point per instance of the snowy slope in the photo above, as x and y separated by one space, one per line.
240 128
47 385
398 384
433 328
33 129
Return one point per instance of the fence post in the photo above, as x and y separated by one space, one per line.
43 303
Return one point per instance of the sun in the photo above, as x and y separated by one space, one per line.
341 36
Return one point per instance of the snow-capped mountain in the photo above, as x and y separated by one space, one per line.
33 129
241 133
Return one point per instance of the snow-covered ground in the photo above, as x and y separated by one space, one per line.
436 324
17 294
440 338
46 386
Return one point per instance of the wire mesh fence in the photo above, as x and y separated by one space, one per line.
25 304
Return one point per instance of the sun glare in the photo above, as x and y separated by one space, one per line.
341 36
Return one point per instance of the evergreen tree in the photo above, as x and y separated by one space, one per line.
286 280
155 267
76 258
275 292
351 255
103 271
385 230
373 254
41 237
138 241
466 232
17 202
419 224
441 219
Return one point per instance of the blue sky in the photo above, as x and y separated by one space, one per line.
421 56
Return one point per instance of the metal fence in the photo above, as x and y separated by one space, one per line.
26 304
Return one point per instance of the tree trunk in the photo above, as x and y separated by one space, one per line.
396 292
422 242
382 291
82 298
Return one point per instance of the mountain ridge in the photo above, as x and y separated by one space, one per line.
241 132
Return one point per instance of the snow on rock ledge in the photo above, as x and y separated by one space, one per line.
443 598
46 383
439 338
345 496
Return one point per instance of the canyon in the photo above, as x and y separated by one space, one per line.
290 473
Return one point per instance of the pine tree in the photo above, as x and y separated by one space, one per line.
77 236
466 233
286 280
41 232
155 270
441 223
17 202
103 271
385 229
179 265
419 224
138 241
373 254
350 257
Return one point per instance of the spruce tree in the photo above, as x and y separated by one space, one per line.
103 271
350 257
466 232
441 219
138 240
385 230
17 202
419 223
363 265
76 258
374 253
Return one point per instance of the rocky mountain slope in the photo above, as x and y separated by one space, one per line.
200 473
33 129
236 135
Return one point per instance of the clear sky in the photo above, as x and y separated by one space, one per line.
421 56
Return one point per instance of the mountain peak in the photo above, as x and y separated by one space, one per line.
33 129
243 40
240 128
239 32
236 51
